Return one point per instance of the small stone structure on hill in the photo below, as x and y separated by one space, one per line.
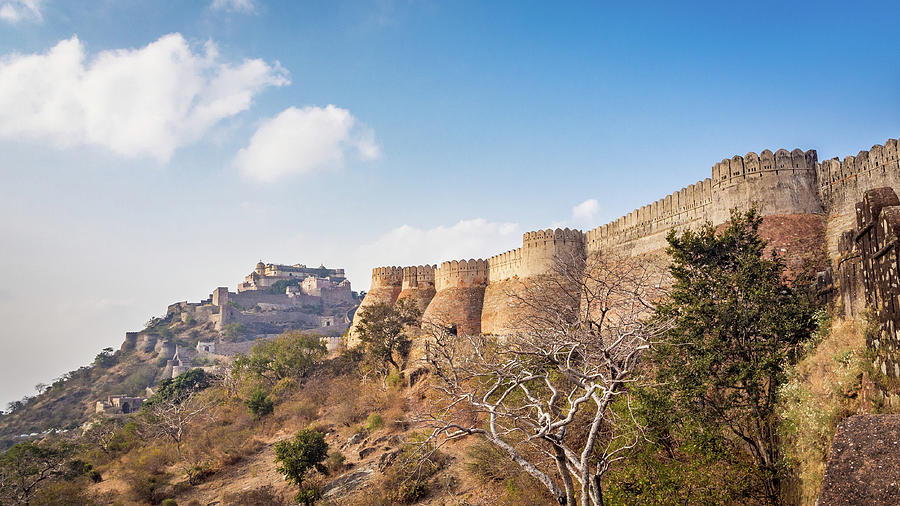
119 405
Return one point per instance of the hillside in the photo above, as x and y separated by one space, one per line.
611 368
273 301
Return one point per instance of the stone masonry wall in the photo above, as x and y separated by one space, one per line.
806 207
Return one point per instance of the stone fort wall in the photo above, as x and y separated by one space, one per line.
779 183
804 205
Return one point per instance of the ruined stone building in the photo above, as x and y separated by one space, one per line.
119 405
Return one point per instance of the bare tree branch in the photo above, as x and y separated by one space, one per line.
547 386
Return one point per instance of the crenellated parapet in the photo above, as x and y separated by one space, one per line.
779 182
802 202
842 182
418 276
542 250
461 273
505 265
688 205
738 168
387 276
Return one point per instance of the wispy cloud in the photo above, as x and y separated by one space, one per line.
300 141
245 6
134 102
408 245
15 11
584 212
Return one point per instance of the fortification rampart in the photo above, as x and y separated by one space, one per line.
780 182
539 253
505 265
803 203
418 276
387 276
842 183
418 285
541 250
461 274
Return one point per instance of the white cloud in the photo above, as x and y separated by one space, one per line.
234 5
299 141
585 211
407 245
14 11
133 102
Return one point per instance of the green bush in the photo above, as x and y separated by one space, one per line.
259 404
295 457
191 381
293 354
374 422
335 462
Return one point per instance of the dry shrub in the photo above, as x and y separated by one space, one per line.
336 463
395 410
491 465
824 388
262 496
145 473
410 477
62 493
345 402
296 412
228 445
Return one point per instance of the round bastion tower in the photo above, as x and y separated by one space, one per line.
542 252
386 286
459 297
418 285
779 183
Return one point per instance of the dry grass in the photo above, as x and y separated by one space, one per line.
824 388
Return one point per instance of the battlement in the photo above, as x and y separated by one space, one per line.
461 273
532 239
387 276
736 168
777 182
418 276
840 181
505 265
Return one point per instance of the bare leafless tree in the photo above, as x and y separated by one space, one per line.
102 432
172 418
544 391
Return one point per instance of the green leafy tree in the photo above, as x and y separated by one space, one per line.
27 466
179 386
295 457
382 330
260 404
291 355
279 286
737 324
106 358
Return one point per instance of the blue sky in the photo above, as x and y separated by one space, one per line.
154 150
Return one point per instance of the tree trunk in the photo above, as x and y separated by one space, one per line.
596 491
528 467
566 477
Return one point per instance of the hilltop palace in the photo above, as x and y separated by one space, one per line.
272 299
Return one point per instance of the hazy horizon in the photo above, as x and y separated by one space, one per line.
154 150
